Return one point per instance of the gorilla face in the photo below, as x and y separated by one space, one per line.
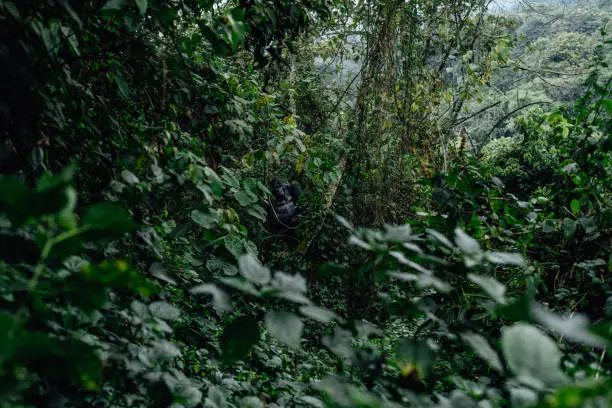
276 187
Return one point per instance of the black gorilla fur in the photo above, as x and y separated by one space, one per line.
284 210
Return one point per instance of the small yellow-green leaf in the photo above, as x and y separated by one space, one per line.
575 205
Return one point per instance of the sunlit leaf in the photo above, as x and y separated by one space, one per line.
129 177
221 300
467 244
532 354
164 310
285 326
575 327
441 238
505 258
491 286
481 346
318 314
216 398
251 402
253 270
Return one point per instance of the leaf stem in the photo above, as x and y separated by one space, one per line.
47 250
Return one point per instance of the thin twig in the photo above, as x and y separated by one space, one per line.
502 119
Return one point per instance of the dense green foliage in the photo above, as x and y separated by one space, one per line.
456 168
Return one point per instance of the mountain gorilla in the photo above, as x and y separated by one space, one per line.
284 211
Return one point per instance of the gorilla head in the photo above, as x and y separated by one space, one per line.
284 209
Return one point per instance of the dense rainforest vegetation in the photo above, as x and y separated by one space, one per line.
454 238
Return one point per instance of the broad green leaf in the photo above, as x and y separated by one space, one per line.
142 6
221 300
467 244
570 168
107 216
491 286
523 397
67 218
312 401
153 240
11 8
140 309
342 394
285 326
220 47
406 277
344 222
204 220
189 396
401 258
589 224
441 238
14 191
165 350
215 398
129 177
401 233
245 198
459 398
294 283
241 285
575 327
505 258
548 226
532 354
497 182
251 402
49 181
426 280
237 27
519 309
122 86
250 247
238 338
481 346
354 240
339 343
575 206
114 5
413 247
219 266
157 270
228 176
164 310
239 246
569 228
318 314
253 270
75 263
258 212
67 359
14 200
414 358
75 17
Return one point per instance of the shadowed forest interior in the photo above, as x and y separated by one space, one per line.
305 203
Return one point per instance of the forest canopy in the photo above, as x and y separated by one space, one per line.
305 203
